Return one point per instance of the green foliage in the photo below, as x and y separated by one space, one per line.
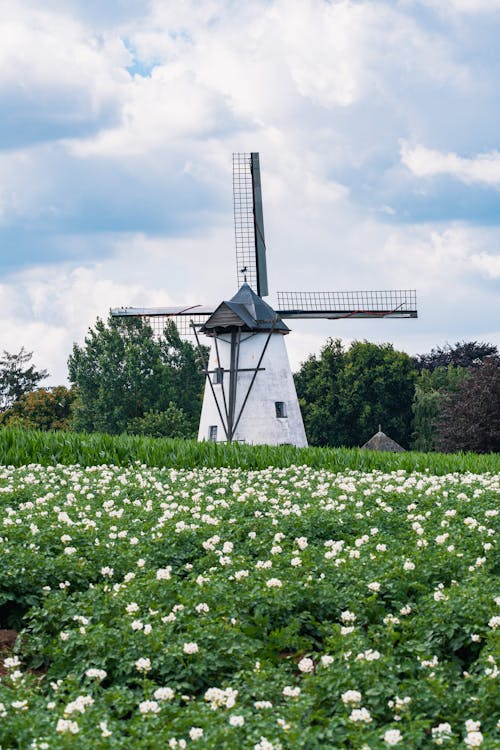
462 354
431 388
344 396
123 371
19 447
295 596
172 422
16 378
43 409
470 414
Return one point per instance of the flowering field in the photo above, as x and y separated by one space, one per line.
221 608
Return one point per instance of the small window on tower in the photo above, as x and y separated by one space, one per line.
280 409
218 375
212 432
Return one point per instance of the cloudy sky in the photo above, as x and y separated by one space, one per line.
377 124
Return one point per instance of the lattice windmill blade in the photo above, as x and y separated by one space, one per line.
158 317
393 303
249 223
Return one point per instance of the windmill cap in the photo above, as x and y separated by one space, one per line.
245 310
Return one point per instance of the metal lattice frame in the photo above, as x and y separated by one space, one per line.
381 303
244 230
183 323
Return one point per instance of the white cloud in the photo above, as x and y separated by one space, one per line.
463 6
56 75
426 162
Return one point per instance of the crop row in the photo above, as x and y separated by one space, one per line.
20 447
221 608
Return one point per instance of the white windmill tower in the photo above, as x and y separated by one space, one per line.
249 393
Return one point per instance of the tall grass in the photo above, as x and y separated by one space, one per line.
20 447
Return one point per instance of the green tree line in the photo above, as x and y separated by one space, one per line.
126 379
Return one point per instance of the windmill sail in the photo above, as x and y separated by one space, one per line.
249 223
390 303
158 317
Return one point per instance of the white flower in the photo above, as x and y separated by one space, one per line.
202 607
348 616
409 565
264 744
103 726
143 665
351 696
149 707
368 655
392 737
236 721
218 697
441 733
374 586
79 704
326 660
64 636
346 629
306 664
301 542
473 739
262 704
273 583
190 648
107 572
439 596
291 692
296 562
20 705
360 714
196 733
65 725
472 726
163 574
98 674
164 694
136 625
494 622
11 662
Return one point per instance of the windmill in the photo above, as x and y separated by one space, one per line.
249 393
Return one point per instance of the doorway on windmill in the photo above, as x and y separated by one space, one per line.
212 432
280 407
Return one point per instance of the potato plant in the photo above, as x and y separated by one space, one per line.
279 608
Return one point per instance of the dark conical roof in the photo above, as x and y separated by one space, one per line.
246 310
381 442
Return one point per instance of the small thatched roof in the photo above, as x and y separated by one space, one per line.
381 442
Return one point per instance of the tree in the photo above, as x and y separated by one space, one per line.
123 371
173 422
43 409
17 379
470 419
346 395
461 354
318 395
431 389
